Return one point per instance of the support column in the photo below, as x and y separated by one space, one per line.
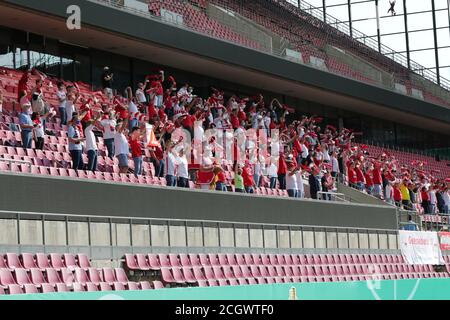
324 9
378 26
405 18
349 6
436 53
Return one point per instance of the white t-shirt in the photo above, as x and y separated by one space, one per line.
446 197
291 182
109 127
388 191
91 143
433 199
140 95
305 151
299 181
121 144
62 98
182 167
170 163
273 171
132 108
70 109
334 165
326 156
39 131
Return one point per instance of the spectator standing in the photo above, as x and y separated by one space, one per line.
108 124
170 163
121 146
26 126
272 172
249 183
91 144
136 137
182 170
291 178
239 181
425 200
62 97
314 182
75 143
38 130
107 82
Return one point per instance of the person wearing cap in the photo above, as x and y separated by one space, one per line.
121 146
75 142
107 80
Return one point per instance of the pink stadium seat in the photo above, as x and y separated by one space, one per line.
12 261
130 262
184 260
83 261
48 288
6 277
108 275
288 260
231 260
213 260
233 282
198 274
145 285
223 282
37 277
223 261
204 260
22 277
28 261
158 285
61 287
56 261
91 287
153 262
280 259
237 272
203 284
174 261
242 281
248 259
78 287
121 276
188 275
139 262
255 272
164 260
53 276
67 276
273 259
14 289
195 261
240 260
209 273
81 276
265 260
133 286
256 259
94 276
104 286
252 281
118 286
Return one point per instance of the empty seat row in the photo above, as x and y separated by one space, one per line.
181 275
157 261
67 276
44 261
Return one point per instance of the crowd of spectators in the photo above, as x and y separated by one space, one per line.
300 149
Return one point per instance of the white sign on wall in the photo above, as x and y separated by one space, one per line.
419 247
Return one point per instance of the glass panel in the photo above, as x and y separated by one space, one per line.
256 238
78 234
9 231
195 237
123 234
177 236
211 237
100 234
226 237
283 238
159 236
241 238
270 238
141 236
363 241
296 239
55 233
308 239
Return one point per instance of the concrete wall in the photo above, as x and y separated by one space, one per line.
28 193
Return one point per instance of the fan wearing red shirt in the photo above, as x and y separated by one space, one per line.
360 179
247 175
377 180
282 171
352 177
425 200
221 179
135 143
369 182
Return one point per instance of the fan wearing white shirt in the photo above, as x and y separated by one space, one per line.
91 144
182 170
109 129
121 146
62 96
273 173
140 94
170 163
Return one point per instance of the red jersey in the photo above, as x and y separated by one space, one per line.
376 176
352 177
397 194
369 181
360 175
247 176
282 166
136 148
221 177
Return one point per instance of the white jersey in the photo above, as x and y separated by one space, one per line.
182 167
291 182
121 145
91 143
170 163
109 127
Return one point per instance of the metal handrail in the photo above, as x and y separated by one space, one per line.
221 222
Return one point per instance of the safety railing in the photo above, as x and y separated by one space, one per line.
333 196
26 229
